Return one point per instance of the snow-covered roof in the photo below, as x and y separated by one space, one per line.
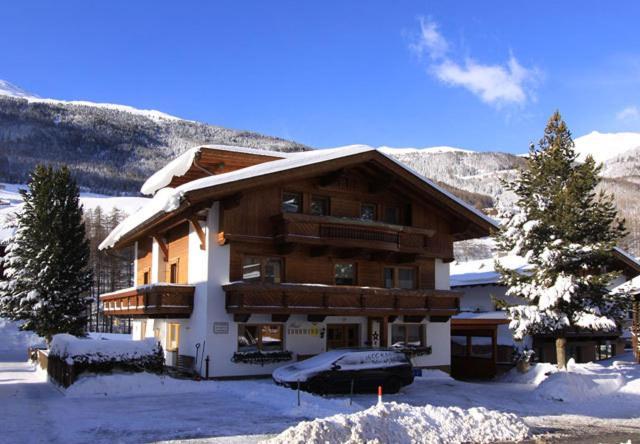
627 257
631 286
498 315
169 199
180 165
482 271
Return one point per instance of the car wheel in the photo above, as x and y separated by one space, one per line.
392 385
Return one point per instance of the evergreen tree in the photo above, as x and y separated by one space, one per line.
47 259
567 231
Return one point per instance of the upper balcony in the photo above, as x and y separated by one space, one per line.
355 233
150 301
339 300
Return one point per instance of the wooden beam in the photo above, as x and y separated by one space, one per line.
241 317
321 250
163 247
232 201
279 317
199 231
286 248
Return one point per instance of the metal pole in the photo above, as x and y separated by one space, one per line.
298 393
351 396
206 369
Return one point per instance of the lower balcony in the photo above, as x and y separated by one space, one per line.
150 301
335 300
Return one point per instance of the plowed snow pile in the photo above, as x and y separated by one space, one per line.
402 423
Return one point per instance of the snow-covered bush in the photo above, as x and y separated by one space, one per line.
104 356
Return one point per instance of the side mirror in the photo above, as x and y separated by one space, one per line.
335 366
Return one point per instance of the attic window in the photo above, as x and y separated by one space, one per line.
291 202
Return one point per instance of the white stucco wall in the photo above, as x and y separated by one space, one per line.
442 275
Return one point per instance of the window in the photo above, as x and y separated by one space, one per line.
145 277
173 272
400 277
392 215
173 337
319 205
368 211
407 335
291 202
345 274
265 269
261 337
481 347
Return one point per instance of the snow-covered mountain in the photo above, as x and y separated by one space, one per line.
604 147
110 148
480 173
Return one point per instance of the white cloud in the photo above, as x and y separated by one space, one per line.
497 85
630 113
430 41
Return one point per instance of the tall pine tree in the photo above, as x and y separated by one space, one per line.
47 271
567 231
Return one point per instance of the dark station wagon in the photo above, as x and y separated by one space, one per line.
335 371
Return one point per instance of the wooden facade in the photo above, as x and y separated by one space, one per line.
144 261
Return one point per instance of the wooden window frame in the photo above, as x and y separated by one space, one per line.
355 272
263 266
170 330
398 219
146 276
300 195
423 333
327 199
375 211
259 327
396 276
171 263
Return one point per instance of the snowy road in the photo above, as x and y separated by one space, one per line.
33 411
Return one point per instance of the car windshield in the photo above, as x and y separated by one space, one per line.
321 360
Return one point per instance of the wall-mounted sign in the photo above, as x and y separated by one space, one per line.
221 328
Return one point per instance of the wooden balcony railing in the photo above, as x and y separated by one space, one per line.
150 301
355 233
247 297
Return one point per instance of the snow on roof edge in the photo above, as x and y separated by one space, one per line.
180 165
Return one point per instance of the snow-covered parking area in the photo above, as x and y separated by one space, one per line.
602 399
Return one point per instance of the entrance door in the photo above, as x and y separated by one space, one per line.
342 336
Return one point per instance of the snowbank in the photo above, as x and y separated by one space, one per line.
72 349
578 387
402 423
536 374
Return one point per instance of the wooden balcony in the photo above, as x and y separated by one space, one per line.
247 298
355 233
150 301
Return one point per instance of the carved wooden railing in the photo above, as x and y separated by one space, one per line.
247 297
355 233
152 301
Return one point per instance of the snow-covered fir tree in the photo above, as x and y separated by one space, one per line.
567 231
46 262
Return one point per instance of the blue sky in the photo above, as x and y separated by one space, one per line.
478 75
